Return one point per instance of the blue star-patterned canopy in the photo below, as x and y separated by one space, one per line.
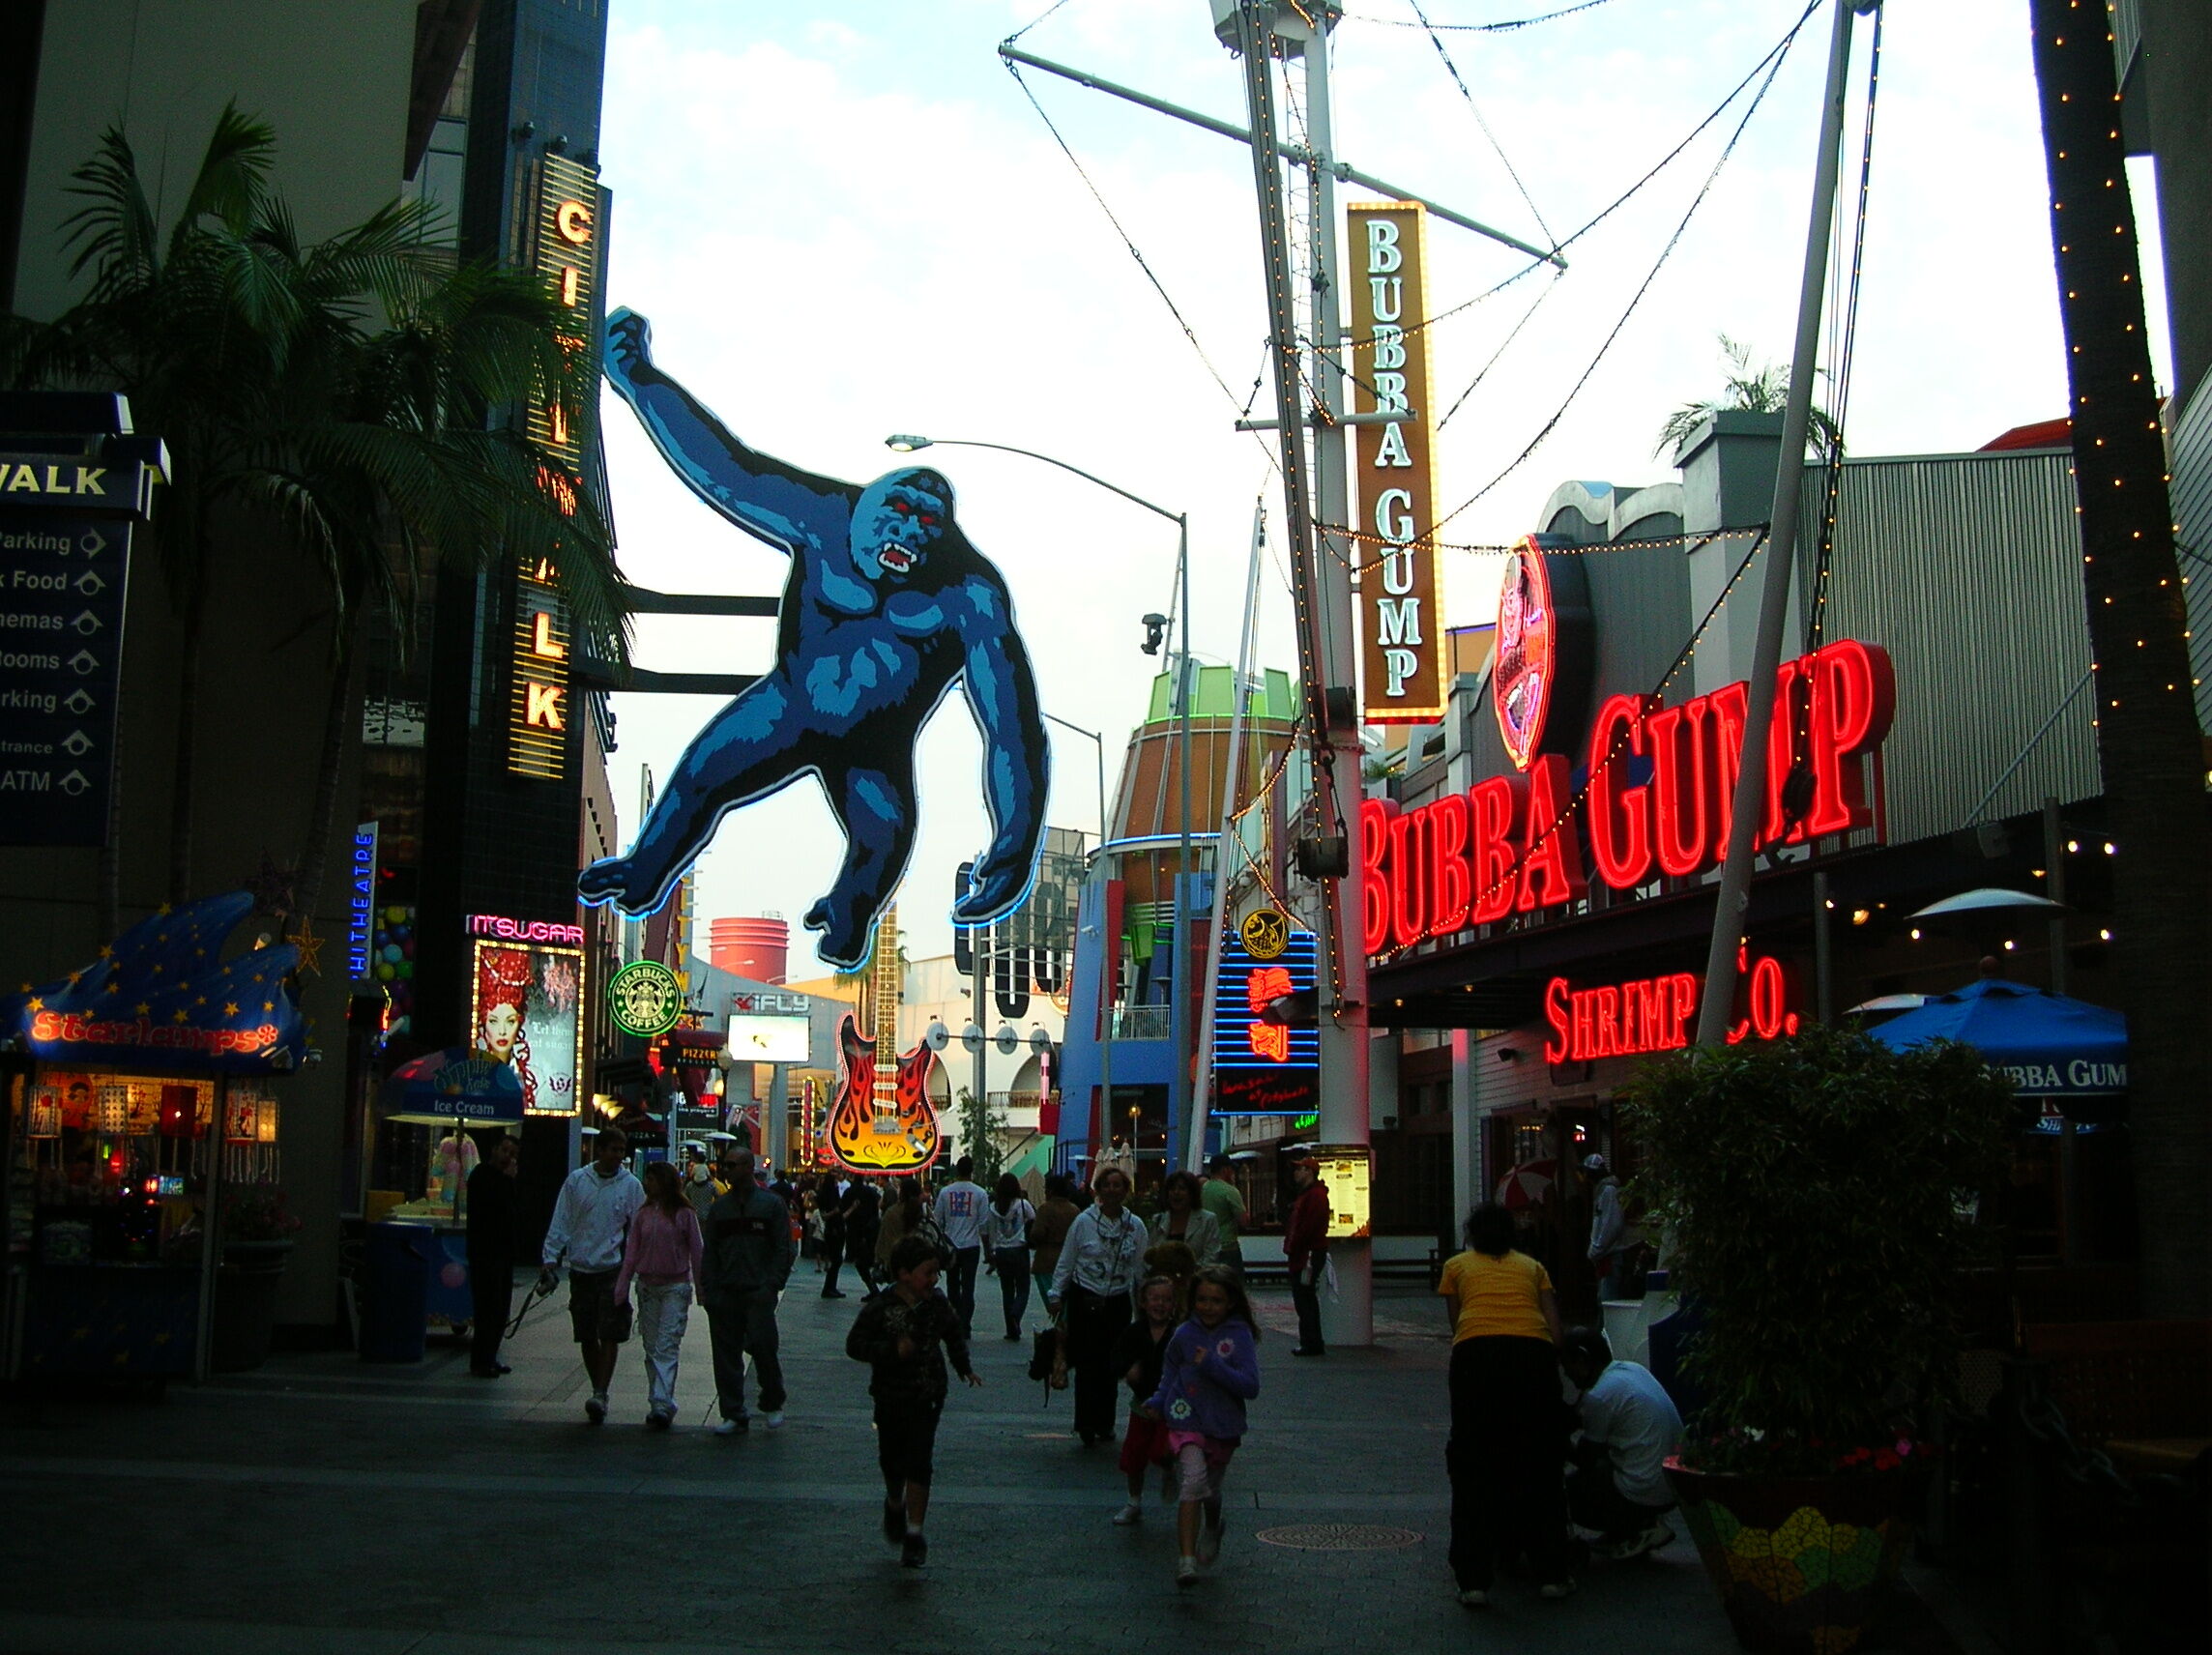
162 998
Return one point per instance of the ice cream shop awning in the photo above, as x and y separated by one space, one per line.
164 1000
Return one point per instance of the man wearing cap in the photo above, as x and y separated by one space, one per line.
1305 1244
1609 1240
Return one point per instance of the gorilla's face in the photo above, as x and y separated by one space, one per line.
900 519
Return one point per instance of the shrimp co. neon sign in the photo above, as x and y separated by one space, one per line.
1661 782
1659 1014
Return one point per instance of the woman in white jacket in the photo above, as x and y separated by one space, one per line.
1094 1284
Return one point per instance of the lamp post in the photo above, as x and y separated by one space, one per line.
1100 742
1178 1012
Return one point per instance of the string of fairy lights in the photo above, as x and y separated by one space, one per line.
2087 68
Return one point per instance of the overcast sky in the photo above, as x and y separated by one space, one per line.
844 221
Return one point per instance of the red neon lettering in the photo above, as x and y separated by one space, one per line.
1626 1020
1409 888
1608 1002
1513 843
1552 852
1498 806
1265 985
1854 698
1375 889
1684 988
1620 814
1451 883
1731 707
1556 1013
1682 787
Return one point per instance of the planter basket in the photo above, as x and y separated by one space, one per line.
1803 1565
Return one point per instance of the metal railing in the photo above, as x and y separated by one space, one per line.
1142 1023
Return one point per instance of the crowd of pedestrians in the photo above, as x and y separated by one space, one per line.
1548 1430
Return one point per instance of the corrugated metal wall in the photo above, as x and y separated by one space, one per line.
2193 528
1967 568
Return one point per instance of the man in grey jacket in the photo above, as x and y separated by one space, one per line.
748 1258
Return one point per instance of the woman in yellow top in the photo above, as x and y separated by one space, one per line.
1508 1449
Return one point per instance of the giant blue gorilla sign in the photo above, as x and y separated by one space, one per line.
887 606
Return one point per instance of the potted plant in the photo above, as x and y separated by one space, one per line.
1818 1193
258 1226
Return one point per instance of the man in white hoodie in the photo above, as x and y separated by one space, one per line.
591 1223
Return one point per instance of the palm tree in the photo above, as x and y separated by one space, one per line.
328 401
2149 744
1762 390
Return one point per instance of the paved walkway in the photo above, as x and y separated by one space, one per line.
319 1504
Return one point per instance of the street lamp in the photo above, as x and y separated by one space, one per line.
1099 741
1178 1015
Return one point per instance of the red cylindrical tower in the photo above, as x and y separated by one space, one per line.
752 947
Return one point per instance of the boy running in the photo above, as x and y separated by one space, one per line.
905 1334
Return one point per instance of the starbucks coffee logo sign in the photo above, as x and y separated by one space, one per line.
645 999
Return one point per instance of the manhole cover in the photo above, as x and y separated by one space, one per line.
1340 1537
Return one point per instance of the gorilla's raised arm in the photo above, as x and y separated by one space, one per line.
1002 693
788 508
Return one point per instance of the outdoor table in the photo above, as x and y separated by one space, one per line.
2148 1454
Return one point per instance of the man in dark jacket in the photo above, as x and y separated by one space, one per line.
1305 1245
747 1261
491 1257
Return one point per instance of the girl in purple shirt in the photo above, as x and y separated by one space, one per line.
1210 1371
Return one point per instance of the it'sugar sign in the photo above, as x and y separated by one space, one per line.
1401 632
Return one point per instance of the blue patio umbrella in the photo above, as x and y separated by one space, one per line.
2049 1045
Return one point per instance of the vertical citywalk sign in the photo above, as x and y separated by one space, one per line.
65 558
1402 639
566 237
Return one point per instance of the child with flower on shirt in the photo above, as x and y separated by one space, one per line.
1210 1371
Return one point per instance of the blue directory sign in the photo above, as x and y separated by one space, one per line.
63 579
1262 1067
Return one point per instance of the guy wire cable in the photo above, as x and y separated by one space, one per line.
1665 253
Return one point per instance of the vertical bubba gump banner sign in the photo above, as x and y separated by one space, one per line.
1402 640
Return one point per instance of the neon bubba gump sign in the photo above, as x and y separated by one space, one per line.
1657 799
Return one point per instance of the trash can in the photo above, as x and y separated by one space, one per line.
398 1270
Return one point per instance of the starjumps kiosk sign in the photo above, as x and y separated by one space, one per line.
1401 631
1652 796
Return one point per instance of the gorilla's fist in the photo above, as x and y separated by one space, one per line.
630 348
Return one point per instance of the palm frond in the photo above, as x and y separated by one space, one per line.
233 176
113 231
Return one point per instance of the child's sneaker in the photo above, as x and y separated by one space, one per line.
1130 1514
1186 1572
596 1408
1650 1539
913 1551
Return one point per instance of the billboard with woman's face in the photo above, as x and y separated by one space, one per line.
527 1014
